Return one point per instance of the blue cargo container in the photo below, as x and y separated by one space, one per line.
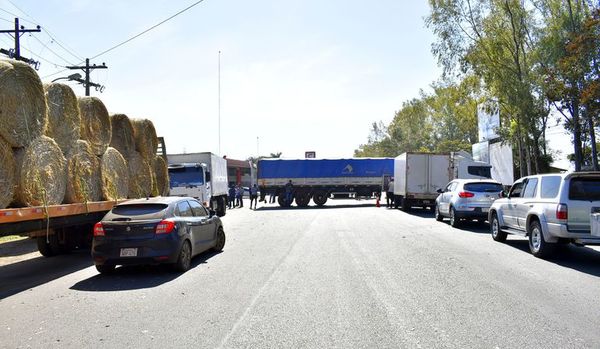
321 179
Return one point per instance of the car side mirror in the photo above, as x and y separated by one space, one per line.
211 213
440 191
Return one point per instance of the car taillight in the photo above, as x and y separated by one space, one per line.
465 194
562 211
98 229
165 227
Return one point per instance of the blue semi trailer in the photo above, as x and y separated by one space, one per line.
321 179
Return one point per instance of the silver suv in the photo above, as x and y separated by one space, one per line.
549 209
466 199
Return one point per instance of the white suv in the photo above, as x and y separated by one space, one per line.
549 209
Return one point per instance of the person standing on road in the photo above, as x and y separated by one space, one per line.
239 195
289 190
231 197
389 194
253 195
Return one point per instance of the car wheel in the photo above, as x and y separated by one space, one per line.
220 240
105 269
454 221
438 215
537 245
185 257
497 233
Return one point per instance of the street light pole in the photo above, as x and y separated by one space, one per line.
219 102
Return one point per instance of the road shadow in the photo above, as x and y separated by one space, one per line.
17 247
326 207
580 258
471 226
19 276
127 278
419 212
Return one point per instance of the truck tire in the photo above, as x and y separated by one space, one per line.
537 245
320 198
302 199
281 200
396 202
221 207
48 248
404 204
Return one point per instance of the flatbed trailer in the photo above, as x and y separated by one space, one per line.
321 179
57 228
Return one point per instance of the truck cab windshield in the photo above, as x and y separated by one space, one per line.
186 176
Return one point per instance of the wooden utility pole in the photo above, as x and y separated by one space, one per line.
16 33
87 68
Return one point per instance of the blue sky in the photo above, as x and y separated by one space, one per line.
299 75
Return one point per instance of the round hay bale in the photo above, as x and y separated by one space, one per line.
83 174
162 176
23 110
146 142
95 124
41 175
7 174
115 175
122 134
140 177
64 120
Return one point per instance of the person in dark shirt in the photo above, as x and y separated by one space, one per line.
289 190
253 196
231 197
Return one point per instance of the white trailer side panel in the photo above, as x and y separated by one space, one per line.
400 174
417 173
218 173
440 172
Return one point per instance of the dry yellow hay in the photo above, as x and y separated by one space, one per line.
162 176
95 124
23 111
64 119
7 174
146 142
41 174
115 175
83 174
122 134
140 176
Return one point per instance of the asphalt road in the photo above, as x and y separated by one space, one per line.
349 276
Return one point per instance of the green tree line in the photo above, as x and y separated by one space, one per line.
532 58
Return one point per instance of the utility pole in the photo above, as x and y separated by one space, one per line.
87 68
16 52
219 103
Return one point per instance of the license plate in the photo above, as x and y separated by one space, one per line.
485 209
128 252
595 224
426 201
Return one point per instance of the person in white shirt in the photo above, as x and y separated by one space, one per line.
389 194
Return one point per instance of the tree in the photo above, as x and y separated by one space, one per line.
571 43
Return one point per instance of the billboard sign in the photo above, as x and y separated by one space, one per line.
488 120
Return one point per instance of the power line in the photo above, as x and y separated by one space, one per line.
42 58
147 30
49 49
50 34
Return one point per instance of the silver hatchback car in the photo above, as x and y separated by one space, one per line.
467 199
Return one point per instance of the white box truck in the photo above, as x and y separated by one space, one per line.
202 176
418 176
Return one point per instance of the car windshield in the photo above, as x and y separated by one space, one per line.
483 187
587 189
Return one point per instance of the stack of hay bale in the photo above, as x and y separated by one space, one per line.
56 148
